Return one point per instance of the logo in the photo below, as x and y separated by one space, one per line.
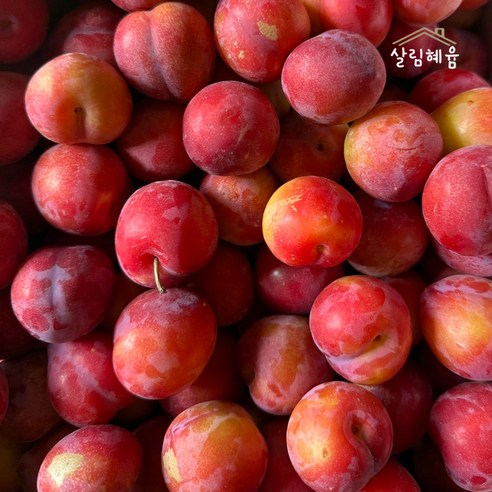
417 55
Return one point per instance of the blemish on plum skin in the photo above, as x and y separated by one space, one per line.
63 465
269 31
171 465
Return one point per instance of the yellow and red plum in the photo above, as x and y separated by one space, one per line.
456 321
78 98
393 476
163 341
312 221
214 445
338 437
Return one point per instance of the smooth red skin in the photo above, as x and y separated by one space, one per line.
81 188
96 457
312 221
394 237
13 243
398 30
480 265
167 52
220 128
30 414
309 148
19 137
152 144
191 232
23 28
408 398
428 467
162 342
214 445
280 474
255 37
88 28
61 293
391 151
393 476
132 5
31 460
219 380
455 318
4 394
14 339
459 220
78 98
410 286
150 434
366 17
280 363
458 423
287 289
334 77
465 119
438 86
239 203
82 385
339 435
378 342
227 283
424 11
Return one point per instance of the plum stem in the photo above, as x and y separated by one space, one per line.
161 289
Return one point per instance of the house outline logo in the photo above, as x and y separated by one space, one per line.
437 34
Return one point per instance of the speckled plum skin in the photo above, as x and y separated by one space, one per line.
61 293
13 243
93 458
338 437
230 127
312 221
167 52
456 314
211 446
188 244
459 424
334 77
162 342
23 28
19 137
394 237
239 203
459 220
254 37
279 362
362 325
424 11
82 384
80 188
391 150
78 98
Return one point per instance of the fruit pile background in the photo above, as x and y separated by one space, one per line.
245 245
